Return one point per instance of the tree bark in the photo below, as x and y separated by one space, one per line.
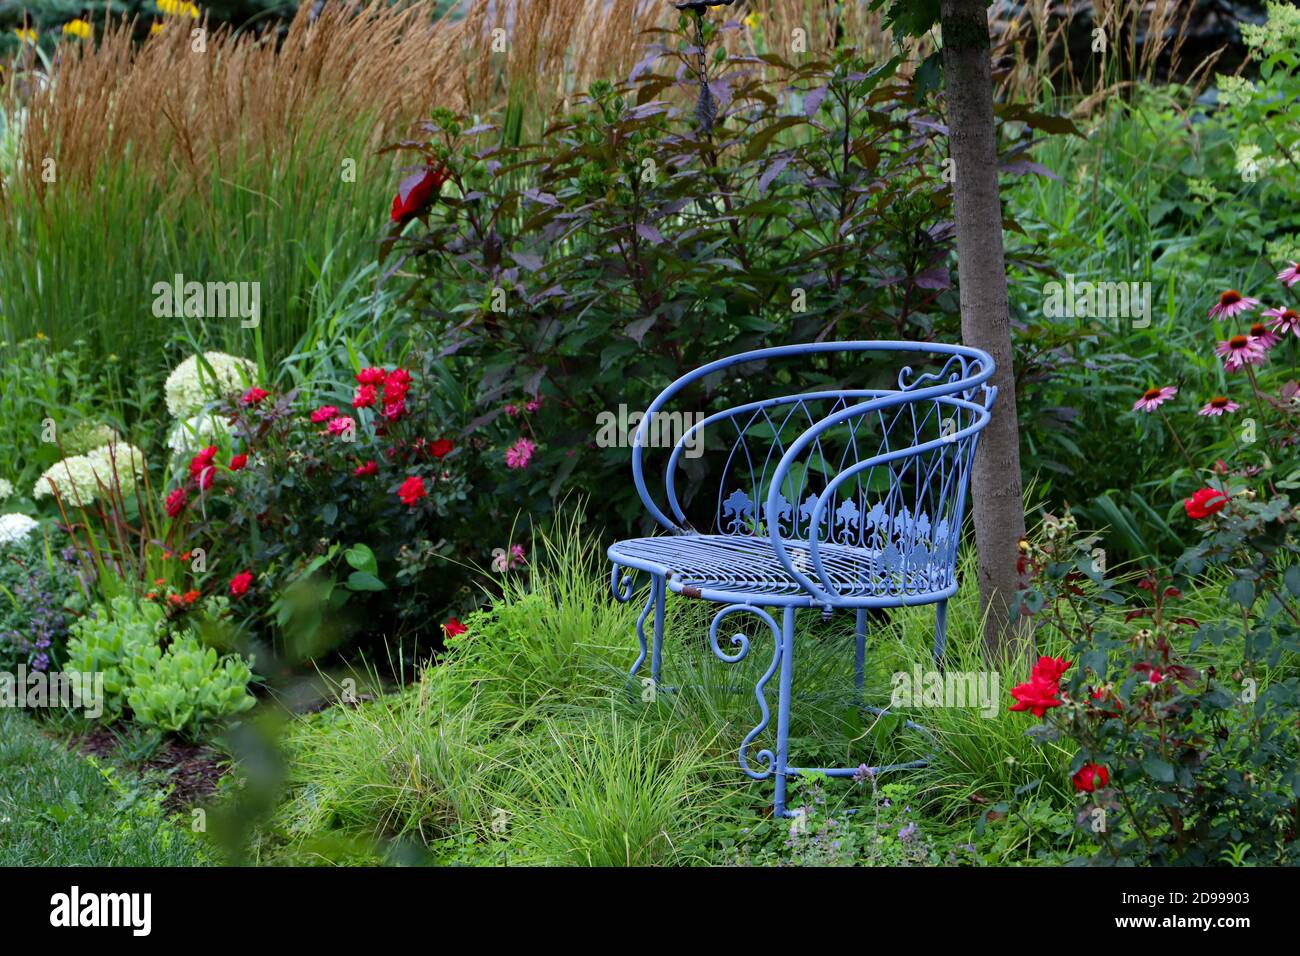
996 493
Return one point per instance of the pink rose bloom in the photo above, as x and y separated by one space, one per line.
520 454
324 414
340 425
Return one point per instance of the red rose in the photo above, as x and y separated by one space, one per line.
1090 777
371 376
454 627
175 502
239 584
396 385
206 477
324 414
363 471
1037 696
394 410
412 490
253 396
365 396
1204 503
1050 669
202 461
441 448
238 462
417 191
341 425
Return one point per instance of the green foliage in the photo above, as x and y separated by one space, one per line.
169 681
37 587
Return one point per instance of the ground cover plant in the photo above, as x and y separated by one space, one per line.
320 370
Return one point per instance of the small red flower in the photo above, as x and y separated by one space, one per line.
1090 777
441 448
237 462
394 410
1050 669
240 583
1204 503
189 597
176 502
341 425
453 627
366 396
202 461
324 414
418 191
363 471
412 490
1037 697
396 385
371 376
253 396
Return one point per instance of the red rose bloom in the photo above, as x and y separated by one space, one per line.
365 396
175 502
371 376
239 584
1050 669
454 627
206 477
412 490
396 385
1204 503
417 191
1037 696
324 414
1090 777
363 471
441 448
395 410
253 396
238 462
202 461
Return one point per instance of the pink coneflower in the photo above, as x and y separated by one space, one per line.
1264 336
1240 351
1153 398
1218 405
1232 303
1290 275
520 453
1283 321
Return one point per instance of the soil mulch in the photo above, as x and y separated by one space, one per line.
193 770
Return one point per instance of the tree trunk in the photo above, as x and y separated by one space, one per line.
985 317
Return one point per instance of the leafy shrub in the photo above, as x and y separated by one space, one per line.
164 675
1178 764
319 496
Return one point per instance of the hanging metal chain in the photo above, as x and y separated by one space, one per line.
706 111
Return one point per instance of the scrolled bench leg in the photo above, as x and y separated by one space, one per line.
860 652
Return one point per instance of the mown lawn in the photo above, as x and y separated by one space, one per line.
59 809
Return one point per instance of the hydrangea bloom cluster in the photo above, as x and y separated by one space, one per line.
6 488
190 385
81 479
15 528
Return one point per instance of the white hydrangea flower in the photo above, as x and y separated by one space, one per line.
190 386
6 488
81 479
15 528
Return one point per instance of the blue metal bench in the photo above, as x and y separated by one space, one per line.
826 497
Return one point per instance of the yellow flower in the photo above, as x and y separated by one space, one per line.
751 21
40 336
26 35
156 28
178 8
78 28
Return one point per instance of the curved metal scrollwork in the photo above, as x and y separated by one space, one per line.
765 757
623 587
